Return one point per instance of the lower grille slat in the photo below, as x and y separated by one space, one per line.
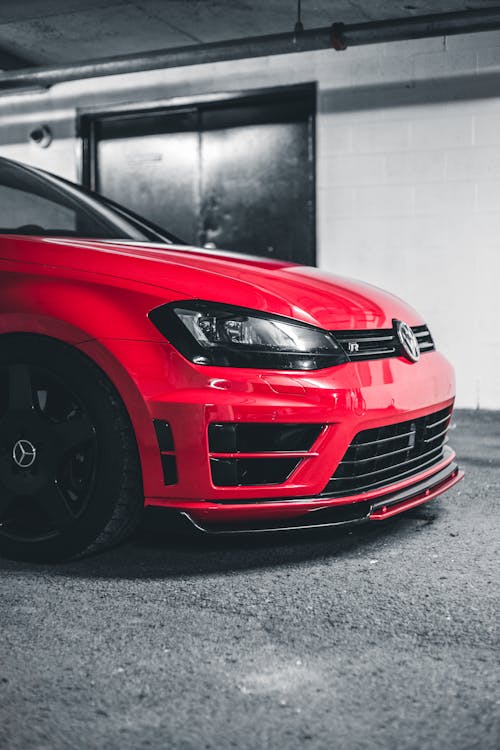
382 440
438 422
435 437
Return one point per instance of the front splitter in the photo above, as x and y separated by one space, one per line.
349 514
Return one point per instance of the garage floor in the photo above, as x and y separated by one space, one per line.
383 637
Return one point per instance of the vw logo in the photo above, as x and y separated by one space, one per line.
408 340
24 454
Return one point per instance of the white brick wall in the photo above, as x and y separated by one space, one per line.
408 171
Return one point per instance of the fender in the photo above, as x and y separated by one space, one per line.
91 307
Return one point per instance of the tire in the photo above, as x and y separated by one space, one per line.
70 478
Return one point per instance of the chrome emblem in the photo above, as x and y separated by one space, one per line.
24 454
353 346
408 341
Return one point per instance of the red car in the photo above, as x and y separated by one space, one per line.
240 393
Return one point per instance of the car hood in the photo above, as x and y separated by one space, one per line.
301 292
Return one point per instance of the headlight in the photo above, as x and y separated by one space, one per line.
209 333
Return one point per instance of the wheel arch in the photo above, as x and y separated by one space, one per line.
119 377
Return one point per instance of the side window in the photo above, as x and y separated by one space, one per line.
20 210
34 205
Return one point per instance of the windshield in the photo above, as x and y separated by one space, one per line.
33 202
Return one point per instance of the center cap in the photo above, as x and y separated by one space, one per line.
24 454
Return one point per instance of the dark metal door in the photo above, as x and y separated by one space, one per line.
150 164
239 174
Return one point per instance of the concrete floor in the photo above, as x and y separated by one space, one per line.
383 637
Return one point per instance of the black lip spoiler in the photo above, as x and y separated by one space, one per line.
345 515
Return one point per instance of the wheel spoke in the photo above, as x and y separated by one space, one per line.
56 506
20 390
75 432
6 498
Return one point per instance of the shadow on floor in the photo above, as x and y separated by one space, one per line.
160 553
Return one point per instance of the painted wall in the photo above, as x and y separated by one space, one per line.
408 171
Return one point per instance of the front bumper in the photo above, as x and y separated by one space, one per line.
345 400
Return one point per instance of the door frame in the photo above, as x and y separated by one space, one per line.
88 117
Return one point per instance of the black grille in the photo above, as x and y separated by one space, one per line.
385 455
379 344
244 454
424 338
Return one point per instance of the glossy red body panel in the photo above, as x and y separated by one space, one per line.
180 273
97 296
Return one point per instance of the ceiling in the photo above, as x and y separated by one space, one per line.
58 32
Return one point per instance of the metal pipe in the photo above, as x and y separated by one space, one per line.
418 27
338 36
193 54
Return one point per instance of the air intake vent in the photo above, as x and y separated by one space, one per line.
384 455
244 454
167 451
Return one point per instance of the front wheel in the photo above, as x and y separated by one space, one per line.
70 481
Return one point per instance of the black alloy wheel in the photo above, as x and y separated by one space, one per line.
69 469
